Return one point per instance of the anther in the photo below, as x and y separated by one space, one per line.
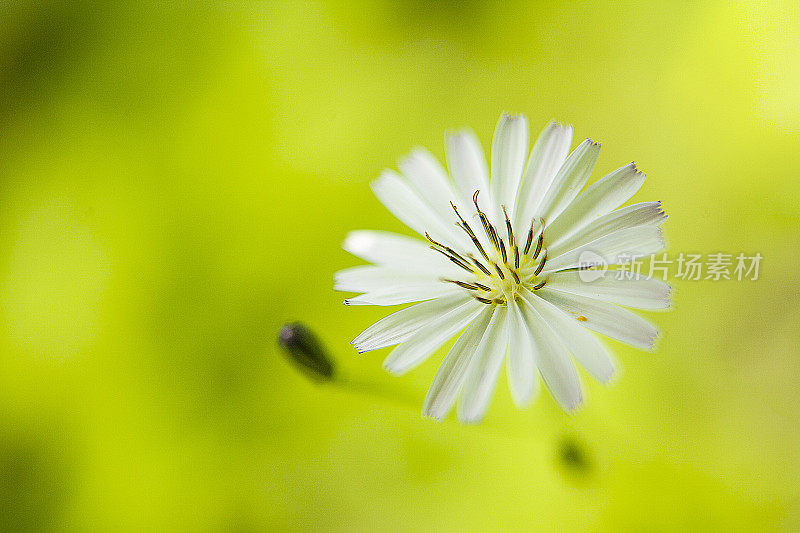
475 240
479 265
483 300
539 285
458 262
509 229
449 250
541 264
530 239
539 245
463 284
516 277
492 233
499 271
503 251
487 226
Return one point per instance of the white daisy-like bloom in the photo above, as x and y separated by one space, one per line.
502 265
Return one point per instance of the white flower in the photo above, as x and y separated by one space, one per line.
502 264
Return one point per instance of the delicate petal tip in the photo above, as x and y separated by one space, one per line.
609 378
416 158
654 339
636 170
661 238
507 116
524 401
428 414
459 133
387 366
573 405
594 144
378 183
356 242
555 124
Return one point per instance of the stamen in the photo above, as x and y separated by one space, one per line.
475 240
465 285
499 271
509 229
467 261
479 265
454 260
493 236
463 225
503 251
530 238
487 226
449 250
539 246
541 264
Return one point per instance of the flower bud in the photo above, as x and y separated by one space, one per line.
306 352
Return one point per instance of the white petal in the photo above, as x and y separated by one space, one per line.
453 370
584 348
429 179
399 252
367 278
483 370
404 293
467 164
602 197
614 248
638 291
569 180
509 150
548 154
604 318
417 348
646 213
552 360
406 204
520 366
402 324
383 286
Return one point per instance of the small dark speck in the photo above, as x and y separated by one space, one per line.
574 456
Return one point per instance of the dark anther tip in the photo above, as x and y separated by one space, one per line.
306 352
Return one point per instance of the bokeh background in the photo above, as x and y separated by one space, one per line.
175 183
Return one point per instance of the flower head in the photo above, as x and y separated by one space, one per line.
502 265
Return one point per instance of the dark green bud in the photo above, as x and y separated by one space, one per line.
306 352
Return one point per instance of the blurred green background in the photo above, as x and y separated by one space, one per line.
175 183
